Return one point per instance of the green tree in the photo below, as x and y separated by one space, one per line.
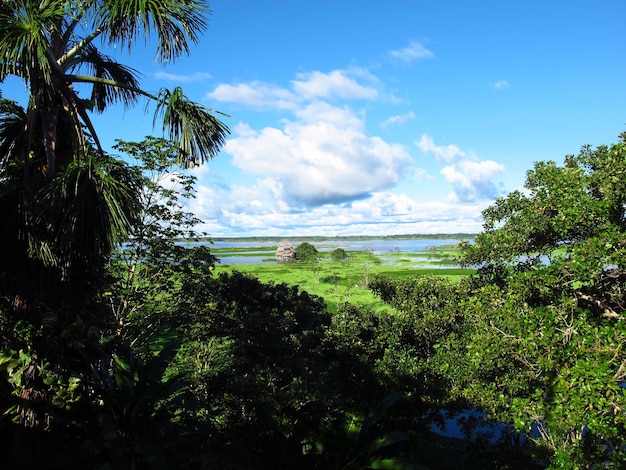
66 203
51 45
306 252
253 356
546 325
338 253
151 268
88 381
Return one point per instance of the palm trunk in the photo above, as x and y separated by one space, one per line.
49 122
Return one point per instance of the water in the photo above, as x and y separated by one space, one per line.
377 246
246 259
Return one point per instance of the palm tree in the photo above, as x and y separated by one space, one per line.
64 203
51 45
52 145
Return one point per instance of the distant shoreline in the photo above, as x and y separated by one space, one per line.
435 236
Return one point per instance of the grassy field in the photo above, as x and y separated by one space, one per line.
340 281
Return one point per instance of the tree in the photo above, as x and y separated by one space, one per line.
94 370
543 349
51 45
253 352
306 252
152 268
65 203
338 254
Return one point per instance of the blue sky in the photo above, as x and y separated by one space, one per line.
388 117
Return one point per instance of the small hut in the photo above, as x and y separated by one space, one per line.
285 252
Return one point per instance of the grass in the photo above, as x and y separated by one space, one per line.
340 281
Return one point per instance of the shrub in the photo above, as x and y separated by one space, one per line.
306 252
338 253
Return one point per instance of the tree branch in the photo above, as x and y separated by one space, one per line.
105 81
607 311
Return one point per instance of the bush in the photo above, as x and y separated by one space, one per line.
306 252
338 253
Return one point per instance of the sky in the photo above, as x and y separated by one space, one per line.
381 117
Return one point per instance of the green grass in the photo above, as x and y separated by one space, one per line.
340 281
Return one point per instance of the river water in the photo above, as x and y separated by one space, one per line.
377 246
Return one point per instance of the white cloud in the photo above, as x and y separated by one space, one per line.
421 174
414 51
322 156
383 213
256 94
310 86
320 171
448 153
398 119
173 77
500 85
472 181
335 84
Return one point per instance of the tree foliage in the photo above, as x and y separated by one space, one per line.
546 349
52 47
534 340
148 267
66 203
338 254
139 357
305 251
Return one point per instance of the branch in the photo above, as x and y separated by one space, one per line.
105 81
78 47
504 333
607 311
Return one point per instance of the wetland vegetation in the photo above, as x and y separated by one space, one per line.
343 280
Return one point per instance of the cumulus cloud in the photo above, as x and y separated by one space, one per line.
382 213
448 153
322 153
472 181
255 94
414 51
319 169
322 156
335 84
173 77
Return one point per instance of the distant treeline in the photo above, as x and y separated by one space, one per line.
320 238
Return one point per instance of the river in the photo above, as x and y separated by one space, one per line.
377 246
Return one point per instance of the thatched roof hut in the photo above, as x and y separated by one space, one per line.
285 251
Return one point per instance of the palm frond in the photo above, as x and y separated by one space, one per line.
13 138
177 23
89 207
199 133
24 42
103 92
